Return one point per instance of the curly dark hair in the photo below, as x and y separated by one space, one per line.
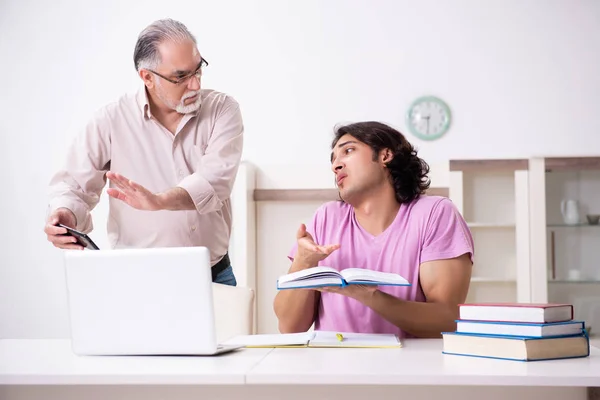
408 172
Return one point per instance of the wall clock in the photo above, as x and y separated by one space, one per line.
428 118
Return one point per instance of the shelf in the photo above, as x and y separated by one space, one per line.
577 282
490 225
492 280
489 165
572 225
295 195
318 194
572 163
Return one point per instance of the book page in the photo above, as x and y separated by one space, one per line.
271 340
315 272
367 275
349 339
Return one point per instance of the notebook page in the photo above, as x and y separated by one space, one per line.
330 339
271 340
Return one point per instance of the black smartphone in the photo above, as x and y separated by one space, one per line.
82 238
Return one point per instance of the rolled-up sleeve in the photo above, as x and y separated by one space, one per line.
212 181
78 185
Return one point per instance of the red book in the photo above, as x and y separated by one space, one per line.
517 312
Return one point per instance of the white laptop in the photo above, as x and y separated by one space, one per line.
141 302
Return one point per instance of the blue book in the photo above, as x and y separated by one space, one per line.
515 347
523 329
327 276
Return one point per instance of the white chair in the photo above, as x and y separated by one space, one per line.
234 307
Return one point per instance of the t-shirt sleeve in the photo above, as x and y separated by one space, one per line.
313 227
447 234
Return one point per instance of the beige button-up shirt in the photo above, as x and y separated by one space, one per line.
202 157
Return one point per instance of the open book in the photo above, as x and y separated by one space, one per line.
327 276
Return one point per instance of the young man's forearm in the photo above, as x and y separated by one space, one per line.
296 308
420 319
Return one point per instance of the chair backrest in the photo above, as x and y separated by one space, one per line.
234 311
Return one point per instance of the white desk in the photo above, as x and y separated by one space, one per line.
51 362
46 369
419 362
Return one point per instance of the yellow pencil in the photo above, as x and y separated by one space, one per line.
339 336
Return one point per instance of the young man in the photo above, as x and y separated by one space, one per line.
171 152
385 223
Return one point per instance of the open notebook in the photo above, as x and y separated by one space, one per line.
318 339
272 340
348 339
328 276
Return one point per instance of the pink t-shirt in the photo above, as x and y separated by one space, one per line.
429 228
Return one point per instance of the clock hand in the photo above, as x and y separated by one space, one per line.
427 118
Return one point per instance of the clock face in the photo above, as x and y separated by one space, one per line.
428 118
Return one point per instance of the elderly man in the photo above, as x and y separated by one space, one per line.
171 152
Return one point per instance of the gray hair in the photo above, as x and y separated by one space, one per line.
146 54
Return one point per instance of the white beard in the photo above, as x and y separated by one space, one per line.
181 107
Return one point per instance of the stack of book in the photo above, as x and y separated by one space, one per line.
517 331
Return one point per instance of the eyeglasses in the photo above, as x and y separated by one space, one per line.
179 81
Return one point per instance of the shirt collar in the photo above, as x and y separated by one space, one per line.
143 102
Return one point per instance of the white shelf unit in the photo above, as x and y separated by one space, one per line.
565 262
493 197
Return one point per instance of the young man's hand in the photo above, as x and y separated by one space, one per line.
362 293
309 253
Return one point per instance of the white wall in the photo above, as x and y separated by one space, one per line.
521 75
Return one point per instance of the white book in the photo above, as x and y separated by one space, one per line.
328 276
515 347
521 329
516 312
